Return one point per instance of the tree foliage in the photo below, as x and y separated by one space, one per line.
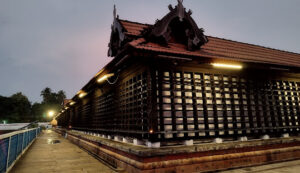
50 97
17 108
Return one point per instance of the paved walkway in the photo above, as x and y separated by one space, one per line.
46 156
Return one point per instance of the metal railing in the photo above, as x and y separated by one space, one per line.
27 126
13 145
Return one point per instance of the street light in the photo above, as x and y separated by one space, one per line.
51 113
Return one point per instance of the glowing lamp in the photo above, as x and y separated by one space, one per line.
151 131
82 94
103 78
230 66
51 113
72 103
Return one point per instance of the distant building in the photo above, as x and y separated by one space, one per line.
169 81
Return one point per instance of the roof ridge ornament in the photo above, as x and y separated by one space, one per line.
180 10
115 11
117 35
178 25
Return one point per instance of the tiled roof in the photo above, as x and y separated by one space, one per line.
133 28
216 48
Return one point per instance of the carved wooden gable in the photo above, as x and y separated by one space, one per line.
176 27
117 36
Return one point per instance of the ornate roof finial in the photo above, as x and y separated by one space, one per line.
115 12
180 10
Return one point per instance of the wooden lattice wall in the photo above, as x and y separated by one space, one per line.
203 105
162 105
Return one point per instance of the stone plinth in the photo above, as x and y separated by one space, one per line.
194 158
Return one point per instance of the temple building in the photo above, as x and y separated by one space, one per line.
170 83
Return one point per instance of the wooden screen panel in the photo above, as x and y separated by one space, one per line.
296 103
85 115
63 119
121 110
71 112
133 115
76 113
60 120
104 115
202 105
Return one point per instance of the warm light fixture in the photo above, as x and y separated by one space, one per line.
101 79
231 66
82 94
72 103
151 131
51 113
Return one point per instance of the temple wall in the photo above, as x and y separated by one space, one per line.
160 101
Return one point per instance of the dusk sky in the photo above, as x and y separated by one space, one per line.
62 44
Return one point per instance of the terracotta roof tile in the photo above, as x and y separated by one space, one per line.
133 28
216 48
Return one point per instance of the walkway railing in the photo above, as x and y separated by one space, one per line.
13 145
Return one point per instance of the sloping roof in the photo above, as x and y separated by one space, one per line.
216 48
133 28
66 101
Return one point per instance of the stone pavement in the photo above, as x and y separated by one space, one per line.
282 167
45 156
